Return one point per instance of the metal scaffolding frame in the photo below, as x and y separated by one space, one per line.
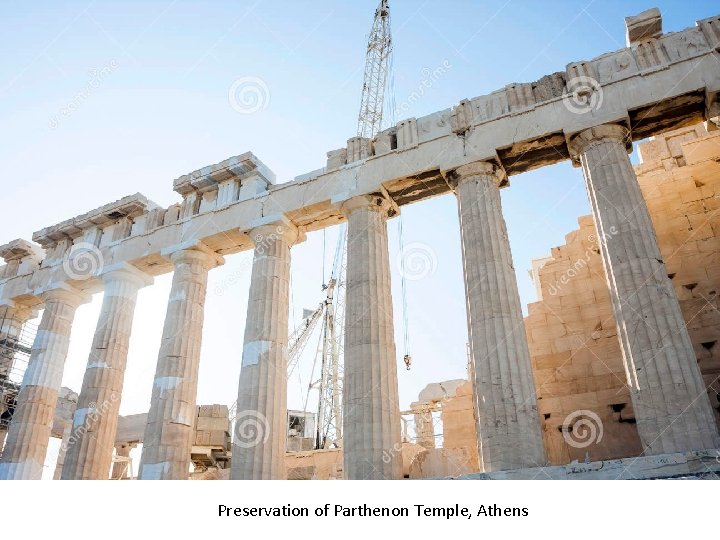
15 346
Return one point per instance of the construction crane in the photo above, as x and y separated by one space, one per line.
331 312
299 338
330 385
332 309
377 61
330 349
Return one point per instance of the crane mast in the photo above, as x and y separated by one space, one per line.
377 60
330 385
332 310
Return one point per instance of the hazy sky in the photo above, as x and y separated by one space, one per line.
100 100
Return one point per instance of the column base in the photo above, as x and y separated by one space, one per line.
699 464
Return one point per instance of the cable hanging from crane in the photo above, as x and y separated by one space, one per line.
378 69
389 119
403 284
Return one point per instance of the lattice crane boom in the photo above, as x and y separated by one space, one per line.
332 310
377 60
299 338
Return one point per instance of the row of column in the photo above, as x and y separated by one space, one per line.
672 408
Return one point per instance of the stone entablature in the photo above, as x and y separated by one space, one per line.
520 127
21 257
91 225
236 179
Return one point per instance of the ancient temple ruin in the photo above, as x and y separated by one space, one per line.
644 296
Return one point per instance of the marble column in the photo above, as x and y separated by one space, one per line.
508 425
170 427
121 467
671 405
371 412
261 422
90 446
424 427
67 431
27 440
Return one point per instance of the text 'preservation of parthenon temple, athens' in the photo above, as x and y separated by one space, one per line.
624 337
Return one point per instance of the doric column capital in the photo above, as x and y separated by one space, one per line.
581 142
472 170
270 232
66 294
125 272
203 255
273 227
19 313
376 202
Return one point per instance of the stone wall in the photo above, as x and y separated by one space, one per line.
583 398
315 465
458 423
579 375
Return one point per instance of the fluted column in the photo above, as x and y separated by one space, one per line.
261 423
508 424
671 405
89 449
171 419
371 410
424 428
27 440
120 468
67 431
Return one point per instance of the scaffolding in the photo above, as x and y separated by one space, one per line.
15 345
